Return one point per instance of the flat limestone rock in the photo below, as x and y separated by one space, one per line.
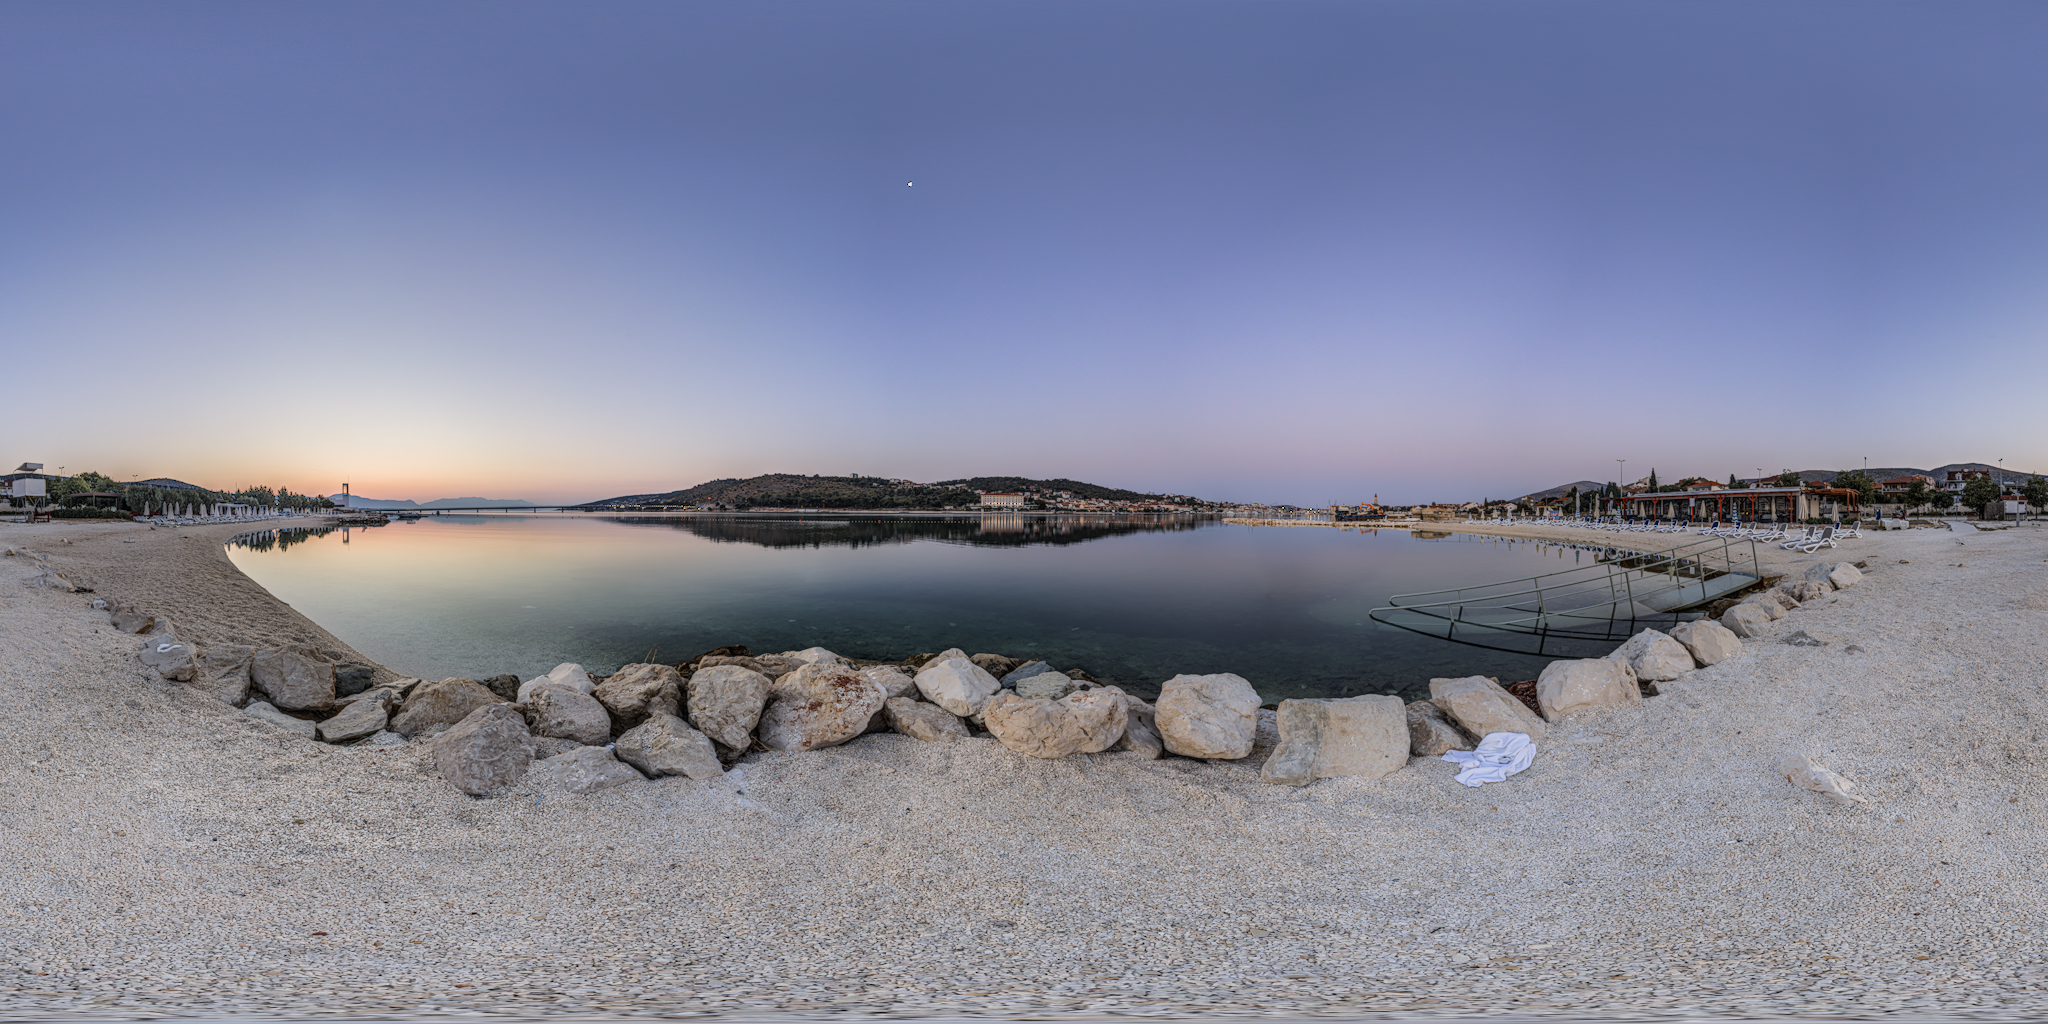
562 712
1481 707
1803 771
128 619
1710 642
1141 729
1211 716
359 719
293 678
1745 620
381 741
920 720
1819 573
1655 656
725 703
819 706
1046 686
1079 723
263 712
172 660
666 745
1845 576
590 769
443 702
224 672
1568 686
1325 739
485 752
637 692
1431 732
957 684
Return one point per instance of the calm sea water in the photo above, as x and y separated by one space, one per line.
1132 602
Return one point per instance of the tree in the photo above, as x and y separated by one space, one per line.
1917 493
2036 493
1787 479
1941 500
1653 478
1858 481
1979 492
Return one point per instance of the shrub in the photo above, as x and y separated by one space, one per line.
88 513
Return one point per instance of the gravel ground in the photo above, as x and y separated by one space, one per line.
163 854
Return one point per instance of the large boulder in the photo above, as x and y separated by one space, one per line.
716 660
567 674
1431 732
1567 686
364 716
820 705
264 712
172 660
815 656
636 693
224 672
1745 620
352 677
589 769
488 750
1844 576
725 703
444 702
505 685
1819 572
1654 656
565 713
1046 686
894 681
1770 602
1710 642
293 678
775 666
1326 739
1481 707
957 684
1023 672
1079 723
1141 729
996 665
666 745
1213 716
919 720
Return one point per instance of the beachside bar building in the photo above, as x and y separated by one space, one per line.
1750 504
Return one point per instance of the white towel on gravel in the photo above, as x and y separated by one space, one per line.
1500 755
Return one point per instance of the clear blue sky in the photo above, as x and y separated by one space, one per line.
1266 251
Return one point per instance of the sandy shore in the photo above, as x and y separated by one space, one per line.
167 854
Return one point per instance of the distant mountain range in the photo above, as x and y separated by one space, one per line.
1880 474
359 501
794 490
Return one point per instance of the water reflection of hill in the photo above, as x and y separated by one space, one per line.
979 531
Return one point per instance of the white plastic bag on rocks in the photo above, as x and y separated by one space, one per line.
1497 757
1806 773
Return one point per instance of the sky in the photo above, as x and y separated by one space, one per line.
1282 252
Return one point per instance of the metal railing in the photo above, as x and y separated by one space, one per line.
1612 599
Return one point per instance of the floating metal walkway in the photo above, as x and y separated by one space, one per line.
1619 595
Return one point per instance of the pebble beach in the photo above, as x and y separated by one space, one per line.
168 855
